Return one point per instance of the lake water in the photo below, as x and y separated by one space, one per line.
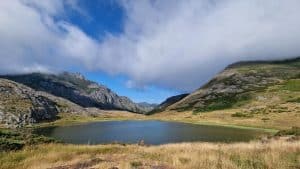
152 132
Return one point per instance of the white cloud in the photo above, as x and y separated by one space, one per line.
173 43
30 39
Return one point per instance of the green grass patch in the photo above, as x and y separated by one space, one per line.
292 85
224 102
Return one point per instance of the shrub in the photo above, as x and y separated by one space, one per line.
223 102
17 139
292 85
265 119
241 114
136 164
293 131
296 100
8 144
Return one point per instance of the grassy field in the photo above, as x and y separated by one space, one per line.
275 109
276 154
73 119
273 116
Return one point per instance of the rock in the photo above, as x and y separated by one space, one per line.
20 105
75 88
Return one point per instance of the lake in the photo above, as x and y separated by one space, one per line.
152 132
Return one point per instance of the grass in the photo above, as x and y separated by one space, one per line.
241 114
17 139
296 100
277 154
292 85
293 131
74 119
224 102
266 121
185 117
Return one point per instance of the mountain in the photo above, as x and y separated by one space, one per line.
147 106
75 88
169 101
21 105
268 83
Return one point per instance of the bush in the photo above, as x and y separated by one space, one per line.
8 145
17 139
292 85
265 119
241 114
293 131
296 100
136 164
223 102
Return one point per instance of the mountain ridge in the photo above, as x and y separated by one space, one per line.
74 87
237 83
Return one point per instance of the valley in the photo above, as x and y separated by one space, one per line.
246 96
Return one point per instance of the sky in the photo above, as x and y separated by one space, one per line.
145 49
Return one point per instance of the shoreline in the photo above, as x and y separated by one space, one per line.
95 120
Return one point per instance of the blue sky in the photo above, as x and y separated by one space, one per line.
98 17
150 94
107 16
147 50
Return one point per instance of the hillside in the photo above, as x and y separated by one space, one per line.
74 87
239 83
169 101
147 107
264 94
20 105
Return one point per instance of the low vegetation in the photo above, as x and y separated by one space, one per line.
241 114
224 102
293 131
276 154
240 84
256 95
292 85
17 139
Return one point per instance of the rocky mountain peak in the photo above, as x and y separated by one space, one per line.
75 87
76 75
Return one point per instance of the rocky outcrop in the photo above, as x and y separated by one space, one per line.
20 105
74 87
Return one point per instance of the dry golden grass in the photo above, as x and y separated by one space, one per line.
282 120
276 154
99 115
268 109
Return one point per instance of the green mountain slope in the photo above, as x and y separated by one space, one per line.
169 101
243 83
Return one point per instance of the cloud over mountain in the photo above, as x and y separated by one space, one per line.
176 44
